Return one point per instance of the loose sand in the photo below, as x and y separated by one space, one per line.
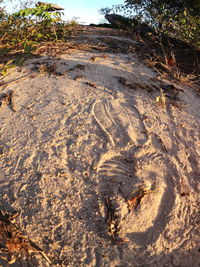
78 136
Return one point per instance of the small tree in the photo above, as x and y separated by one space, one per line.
179 18
176 17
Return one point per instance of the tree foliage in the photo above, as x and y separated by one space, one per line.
180 18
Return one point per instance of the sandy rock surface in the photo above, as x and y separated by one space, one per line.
80 131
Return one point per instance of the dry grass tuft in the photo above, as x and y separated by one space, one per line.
13 244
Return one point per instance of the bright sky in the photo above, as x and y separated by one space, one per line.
85 10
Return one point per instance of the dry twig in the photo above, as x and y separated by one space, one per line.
13 243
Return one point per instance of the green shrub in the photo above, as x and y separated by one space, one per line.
177 18
28 27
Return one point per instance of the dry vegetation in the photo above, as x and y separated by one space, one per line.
48 37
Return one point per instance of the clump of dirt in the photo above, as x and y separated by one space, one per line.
7 99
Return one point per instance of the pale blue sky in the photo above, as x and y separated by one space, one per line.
86 10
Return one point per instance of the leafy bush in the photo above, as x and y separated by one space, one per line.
29 26
177 18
